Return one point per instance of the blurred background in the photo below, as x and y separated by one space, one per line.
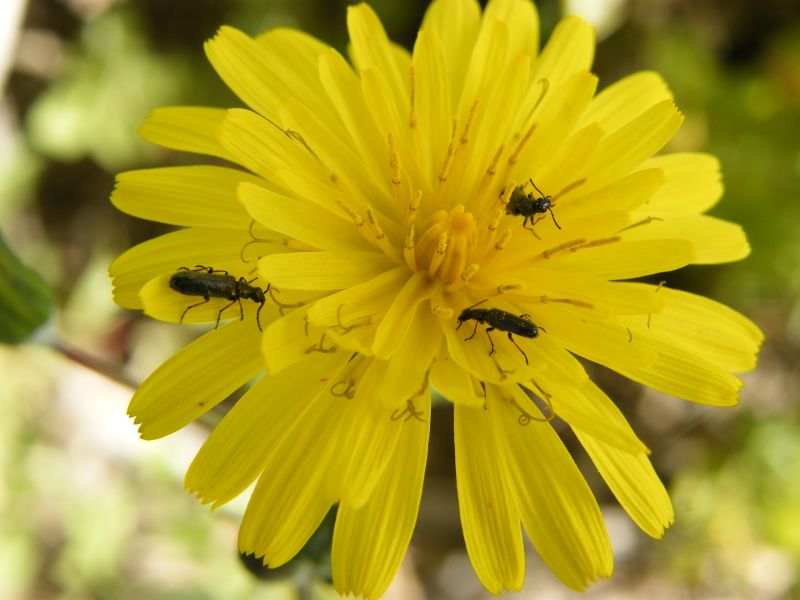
87 510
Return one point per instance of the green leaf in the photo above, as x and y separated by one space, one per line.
25 299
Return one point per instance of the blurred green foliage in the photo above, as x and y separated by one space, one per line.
25 299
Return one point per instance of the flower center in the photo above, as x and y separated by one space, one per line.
447 243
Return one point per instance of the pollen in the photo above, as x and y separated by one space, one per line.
447 244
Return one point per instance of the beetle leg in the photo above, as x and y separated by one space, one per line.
183 314
224 308
488 329
474 331
525 226
510 337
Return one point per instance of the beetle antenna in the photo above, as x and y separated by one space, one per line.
476 304
534 187
552 214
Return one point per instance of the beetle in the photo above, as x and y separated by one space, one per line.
502 320
528 205
210 283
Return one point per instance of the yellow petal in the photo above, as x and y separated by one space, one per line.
371 49
627 147
626 193
407 372
606 342
626 260
456 24
634 483
291 497
523 21
561 108
344 92
288 340
323 270
680 371
369 542
237 450
259 145
455 383
431 103
629 97
196 379
587 408
396 322
708 328
569 50
187 128
692 183
319 228
355 182
714 241
489 518
200 196
294 61
556 506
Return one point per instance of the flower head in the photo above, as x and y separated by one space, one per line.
463 218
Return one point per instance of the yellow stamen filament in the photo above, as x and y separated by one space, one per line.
506 195
545 86
596 243
408 248
442 311
451 151
504 239
344 389
646 221
320 347
568 188
380 236
512 160
413 205
566 246
470 272
502 289
470 118
439 254
412 84
493 167
394 161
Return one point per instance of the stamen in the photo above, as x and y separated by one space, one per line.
470 272
410 411
282 305
579 303
596 243
451 151
545 86
550 252
408 248
347 392
502 289
439 254
413 205
646 221
504 373
495 222
569 188
442 311
512 160
470 118
345 329
320 347
506 195
412 84
357 220
493 167
394 161
650 315
504 239
380 236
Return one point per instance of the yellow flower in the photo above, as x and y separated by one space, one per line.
389 211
